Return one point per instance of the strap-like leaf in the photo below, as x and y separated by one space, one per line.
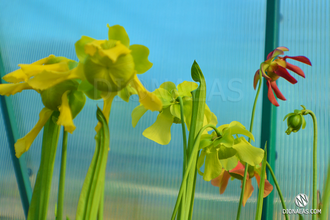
93 187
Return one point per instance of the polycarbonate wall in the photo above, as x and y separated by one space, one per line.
305 30
143 178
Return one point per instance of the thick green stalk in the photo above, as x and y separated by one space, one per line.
40 197
61 187
314 203
251 128
326 197
278 188
92 191
181 213
189 165
197 119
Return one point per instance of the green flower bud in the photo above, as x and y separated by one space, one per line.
109 65
52 97
295 121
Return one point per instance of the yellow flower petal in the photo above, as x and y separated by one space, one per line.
48 79
34 69
115 52
146 98
92 47
107 99
19 75
13 88
16 76
160 131
65 118
22 145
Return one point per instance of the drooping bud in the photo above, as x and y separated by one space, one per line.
295 121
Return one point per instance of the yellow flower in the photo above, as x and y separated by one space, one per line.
52 77
168 93
111 67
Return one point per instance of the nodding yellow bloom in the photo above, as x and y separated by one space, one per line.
169 94
52 77
111 68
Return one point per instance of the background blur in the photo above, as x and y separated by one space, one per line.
227 39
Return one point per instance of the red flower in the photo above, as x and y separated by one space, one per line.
238 173
272 69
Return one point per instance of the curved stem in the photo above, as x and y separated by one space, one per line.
278 188
246 164
314 204
61 187
184 179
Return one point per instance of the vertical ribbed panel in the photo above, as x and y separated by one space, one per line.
10 201
305 30
142 180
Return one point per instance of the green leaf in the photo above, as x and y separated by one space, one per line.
140 55
40 197
197 117
118 32
326 197
186 87
137 113
246 152
80 47
261 186
160 131
92 190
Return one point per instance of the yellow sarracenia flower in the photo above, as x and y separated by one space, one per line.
52 77
169 94
111 67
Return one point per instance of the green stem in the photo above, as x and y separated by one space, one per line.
278 188
314 204
246 164
190 162
61 187
184 136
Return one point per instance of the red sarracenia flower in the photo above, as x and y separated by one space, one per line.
275 67
238 173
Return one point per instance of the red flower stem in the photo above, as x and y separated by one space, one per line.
246 164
